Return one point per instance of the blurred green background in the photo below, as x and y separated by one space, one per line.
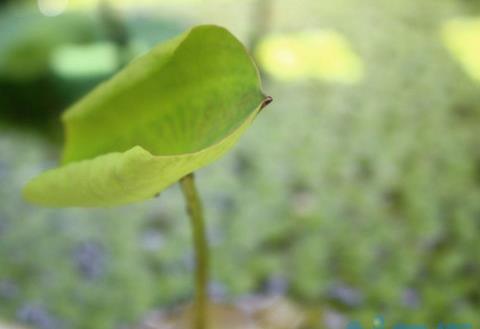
356 193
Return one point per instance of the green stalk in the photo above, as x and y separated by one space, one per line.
195 212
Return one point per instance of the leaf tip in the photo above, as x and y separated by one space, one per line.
34 192
27 193
267 100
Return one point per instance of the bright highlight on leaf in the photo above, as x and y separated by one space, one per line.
462 38
169 113
317 54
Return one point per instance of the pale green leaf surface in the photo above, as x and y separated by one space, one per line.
168 113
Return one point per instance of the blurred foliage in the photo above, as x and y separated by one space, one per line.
355 200
28 38
46 63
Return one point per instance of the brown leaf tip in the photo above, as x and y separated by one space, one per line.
265 102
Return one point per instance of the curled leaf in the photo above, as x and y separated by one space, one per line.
169 113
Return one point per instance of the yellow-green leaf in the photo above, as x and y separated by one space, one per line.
168 113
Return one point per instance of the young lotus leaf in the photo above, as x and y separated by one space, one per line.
169 113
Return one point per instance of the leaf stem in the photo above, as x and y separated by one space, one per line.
195 212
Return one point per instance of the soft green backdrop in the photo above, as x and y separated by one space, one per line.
353 199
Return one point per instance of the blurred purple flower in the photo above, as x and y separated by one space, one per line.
346 295
37 316
8 289
89 258
334 320
217 291
276 285
411 298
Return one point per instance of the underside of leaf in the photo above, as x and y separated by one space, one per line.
169 113
181 97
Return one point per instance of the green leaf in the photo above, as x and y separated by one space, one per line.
169 113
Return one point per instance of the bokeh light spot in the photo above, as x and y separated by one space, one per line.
74 61
317 54
52 7
462 38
